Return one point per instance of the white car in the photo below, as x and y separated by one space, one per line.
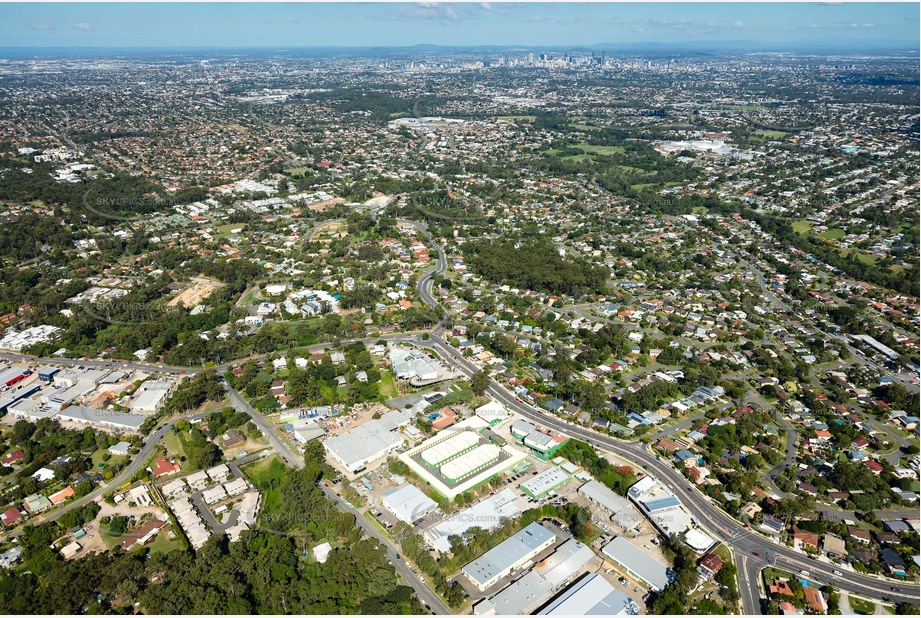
838 573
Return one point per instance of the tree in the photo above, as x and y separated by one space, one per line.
480 382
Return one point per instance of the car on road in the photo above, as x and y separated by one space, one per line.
838 573
804 572
894 589
754 553
398 557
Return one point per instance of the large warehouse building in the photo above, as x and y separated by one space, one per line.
529 592
637 563
545 482
591 595
354 450
454 445
470 463
486 514
408 503
460 458
622 512
510 554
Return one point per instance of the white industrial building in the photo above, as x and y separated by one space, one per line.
486 514
528 593
408 503
151 396
509 555
637 563
591 595
369 441
118 421
622 511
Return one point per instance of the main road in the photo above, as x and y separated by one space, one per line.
426 595
753 551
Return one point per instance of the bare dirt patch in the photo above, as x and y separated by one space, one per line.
200 289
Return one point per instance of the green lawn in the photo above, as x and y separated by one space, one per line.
644 185
862 607
583 127
162 545
802 226
115 459
833 233
267 475
600 150
866 258
772 134
174 448
388 386
528 118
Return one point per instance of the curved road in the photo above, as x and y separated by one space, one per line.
743 542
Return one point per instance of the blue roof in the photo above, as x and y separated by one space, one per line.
662 503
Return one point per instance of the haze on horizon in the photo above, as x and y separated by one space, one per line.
234 25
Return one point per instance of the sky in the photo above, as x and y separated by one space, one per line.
485 23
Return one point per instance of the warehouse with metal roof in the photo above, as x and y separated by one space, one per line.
602 495
637 563
510 554
527 594
545 482
591 595
369 441
408 503
486 514
471 462
455 444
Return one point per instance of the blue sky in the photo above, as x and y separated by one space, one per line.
361 24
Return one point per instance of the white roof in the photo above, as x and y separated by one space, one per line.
218 471
601 494
697 539
545 481
213 494
197 477
174 487
468 462
509 552
454 444
408 503
369 440
236 486
321 551
590 596
492 410
653 572
486 514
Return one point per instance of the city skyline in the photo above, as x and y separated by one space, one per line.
854 26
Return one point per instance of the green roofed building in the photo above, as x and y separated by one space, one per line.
539 486
542 443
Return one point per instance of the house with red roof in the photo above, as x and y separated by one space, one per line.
13 457
163 467
815 601
61 496
710 565
10 516
874 466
